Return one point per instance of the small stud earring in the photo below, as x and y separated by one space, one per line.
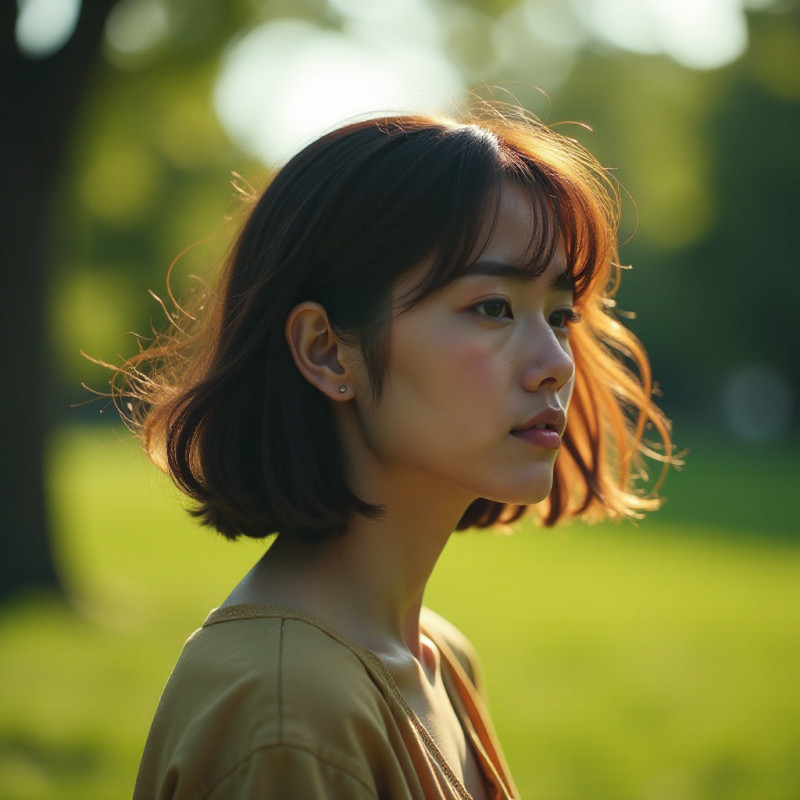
342 389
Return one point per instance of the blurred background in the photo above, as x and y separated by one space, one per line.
651 661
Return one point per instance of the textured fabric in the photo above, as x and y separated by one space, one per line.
268 702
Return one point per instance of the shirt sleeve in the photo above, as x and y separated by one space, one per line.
286 772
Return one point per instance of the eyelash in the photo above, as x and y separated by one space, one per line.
570 315
504 305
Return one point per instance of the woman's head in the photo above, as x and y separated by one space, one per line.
249 438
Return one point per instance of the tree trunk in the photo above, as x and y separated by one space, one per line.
39 98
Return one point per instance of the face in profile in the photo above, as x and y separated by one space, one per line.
479 377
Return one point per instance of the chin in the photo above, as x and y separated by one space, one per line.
525 496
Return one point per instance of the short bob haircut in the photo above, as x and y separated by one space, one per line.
223 407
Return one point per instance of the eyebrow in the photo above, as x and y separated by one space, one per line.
502 269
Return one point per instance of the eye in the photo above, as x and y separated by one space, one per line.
496 308
564 318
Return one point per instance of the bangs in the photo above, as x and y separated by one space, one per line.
566 211
563 212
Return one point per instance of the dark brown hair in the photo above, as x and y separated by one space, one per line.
224 409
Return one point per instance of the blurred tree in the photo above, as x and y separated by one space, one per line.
39 98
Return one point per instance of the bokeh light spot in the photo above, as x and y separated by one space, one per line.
699 34
758 403
136 26
44 26
288 81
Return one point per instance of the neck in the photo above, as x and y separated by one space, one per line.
368 583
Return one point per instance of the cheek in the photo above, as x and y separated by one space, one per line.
474 366
442 365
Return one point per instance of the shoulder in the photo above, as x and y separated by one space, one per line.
461 647
268 693
297 680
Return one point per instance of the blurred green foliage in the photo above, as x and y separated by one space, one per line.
709 158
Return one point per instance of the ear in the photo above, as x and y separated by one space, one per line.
317 351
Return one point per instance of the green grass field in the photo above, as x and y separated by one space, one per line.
659 662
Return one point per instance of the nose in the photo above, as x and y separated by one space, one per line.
549 363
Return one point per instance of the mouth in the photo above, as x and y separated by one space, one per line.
544 430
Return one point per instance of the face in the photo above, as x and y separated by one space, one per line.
478 380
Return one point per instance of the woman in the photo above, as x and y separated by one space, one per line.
410 311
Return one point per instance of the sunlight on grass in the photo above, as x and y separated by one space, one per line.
644 663
622 662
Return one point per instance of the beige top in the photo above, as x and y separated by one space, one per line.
269 702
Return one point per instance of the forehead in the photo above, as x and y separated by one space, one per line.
517 231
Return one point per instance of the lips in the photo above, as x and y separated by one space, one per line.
544 430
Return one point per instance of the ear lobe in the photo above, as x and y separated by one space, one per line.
315 349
